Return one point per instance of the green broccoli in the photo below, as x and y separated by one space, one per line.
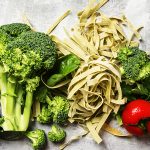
135 63
60 108
21 62
45 115
15 29
55 110
56 134
43 95
10 32
37 138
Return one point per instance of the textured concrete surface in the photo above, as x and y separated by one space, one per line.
42 13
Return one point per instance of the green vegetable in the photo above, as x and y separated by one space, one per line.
55 110
138 89
60 108
64 66
45 115
21 62
41 94
135 70
56 134
37 138
15 29
135 64
10 32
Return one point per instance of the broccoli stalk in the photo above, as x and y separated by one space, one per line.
16 118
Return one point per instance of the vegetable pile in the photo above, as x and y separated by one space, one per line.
84 78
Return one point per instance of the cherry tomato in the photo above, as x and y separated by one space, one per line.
133 114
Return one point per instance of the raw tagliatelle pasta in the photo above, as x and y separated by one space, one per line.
94 90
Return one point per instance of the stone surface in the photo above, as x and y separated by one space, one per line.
42 13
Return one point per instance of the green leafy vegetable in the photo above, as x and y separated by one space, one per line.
64 66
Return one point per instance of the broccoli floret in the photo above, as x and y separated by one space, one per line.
4 40
15 29
144 72
60 108
41 94
45 115
10 32
134 63
30 53
37 138
56 134
24 58
55 110
124 53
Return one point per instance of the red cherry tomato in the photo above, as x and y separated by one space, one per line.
133 113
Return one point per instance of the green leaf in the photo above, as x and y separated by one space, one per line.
54 79
64 66
68 64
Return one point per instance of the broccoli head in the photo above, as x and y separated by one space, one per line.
56 134
45 115
60 108
37 138
30 53
134 63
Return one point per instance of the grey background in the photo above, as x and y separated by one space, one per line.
42 13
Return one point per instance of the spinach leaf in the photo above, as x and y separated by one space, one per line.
63 67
